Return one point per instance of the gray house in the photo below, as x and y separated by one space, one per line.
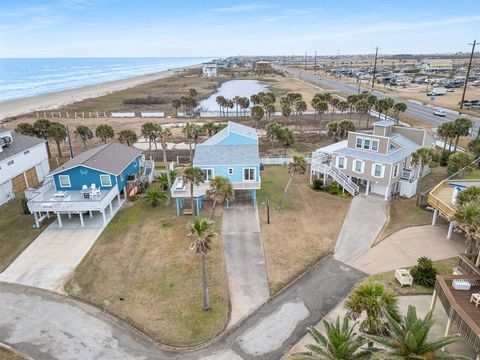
377 163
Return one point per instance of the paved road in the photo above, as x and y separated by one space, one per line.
364 221
51 258
414 110
45 325
245 260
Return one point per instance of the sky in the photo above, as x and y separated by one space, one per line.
122 28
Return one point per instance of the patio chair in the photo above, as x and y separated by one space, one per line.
403 277
475 298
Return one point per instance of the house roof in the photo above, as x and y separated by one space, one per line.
407 148
19 144
383 123
111 158
232 127
226 154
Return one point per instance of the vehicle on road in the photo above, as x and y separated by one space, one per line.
439 112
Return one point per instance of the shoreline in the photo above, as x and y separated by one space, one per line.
53 100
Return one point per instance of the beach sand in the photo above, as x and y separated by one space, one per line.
56 99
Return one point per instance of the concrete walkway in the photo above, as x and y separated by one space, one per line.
45 325
51 258
405 246
245 260
363 223
422 304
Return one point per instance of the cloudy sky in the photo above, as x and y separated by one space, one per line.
97 28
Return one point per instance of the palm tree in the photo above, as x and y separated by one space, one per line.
257 114
351 101
192 93
375 301
286 111
58 133
468 216
164 134
203 231
445 131
192 176
25 129
462 128
176 103
344 127
339 343
420 158
343 106
408 338
363 107
474 147
460 161
154 197
149 132
221 189
285 138
399 108
127 136
189 131
41 129
270 110
84 133
272 130
389 103
334 103
104 132
297 167
471 193
220 102
332 131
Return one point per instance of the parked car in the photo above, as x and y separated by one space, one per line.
441 113
437 91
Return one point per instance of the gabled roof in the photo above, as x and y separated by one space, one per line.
19 144
232 127
245 154
110 158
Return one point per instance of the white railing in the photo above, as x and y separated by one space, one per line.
72 206
343 180
179 189
281 160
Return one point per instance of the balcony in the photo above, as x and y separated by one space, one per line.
47 199
179 189
466 264
441 196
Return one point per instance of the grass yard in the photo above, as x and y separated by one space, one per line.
17 231
304 231
142 270
388 279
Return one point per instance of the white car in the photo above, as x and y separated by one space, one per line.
441 113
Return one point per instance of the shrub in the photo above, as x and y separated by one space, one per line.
24 202
460 161
149 100
444 157
424 273
334 188
317 184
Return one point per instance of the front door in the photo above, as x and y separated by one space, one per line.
32 179
19 184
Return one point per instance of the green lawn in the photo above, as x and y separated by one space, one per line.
474 175
142 270
388 279
16 230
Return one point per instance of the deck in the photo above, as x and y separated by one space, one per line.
441 196
180 190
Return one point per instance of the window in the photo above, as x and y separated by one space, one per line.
377 170
366 144
230 171
10 162
122 177
208 174
395 170
392 148
341 162
359 143
64 180
249 174
105 180
358 166
374 145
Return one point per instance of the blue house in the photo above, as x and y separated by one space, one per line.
233 153
87 183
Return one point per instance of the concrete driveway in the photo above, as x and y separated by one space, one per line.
363 223
245 259
52 257
403 248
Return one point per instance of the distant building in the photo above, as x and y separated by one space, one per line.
437 65
23 163
263 66
209 69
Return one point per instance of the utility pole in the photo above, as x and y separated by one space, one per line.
375 68
305 67
315 69
468 73
284 59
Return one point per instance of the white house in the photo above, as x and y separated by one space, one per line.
23 163
209 69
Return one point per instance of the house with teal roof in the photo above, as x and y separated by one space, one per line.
232 152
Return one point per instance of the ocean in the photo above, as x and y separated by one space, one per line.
21 78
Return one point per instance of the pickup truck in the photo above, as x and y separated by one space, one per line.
437 91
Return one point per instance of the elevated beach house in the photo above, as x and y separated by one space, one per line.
23 163
233 153
378 163
88 183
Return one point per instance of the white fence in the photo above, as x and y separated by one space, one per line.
281 160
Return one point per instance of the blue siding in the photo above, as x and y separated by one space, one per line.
81 175
234 139
237 175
